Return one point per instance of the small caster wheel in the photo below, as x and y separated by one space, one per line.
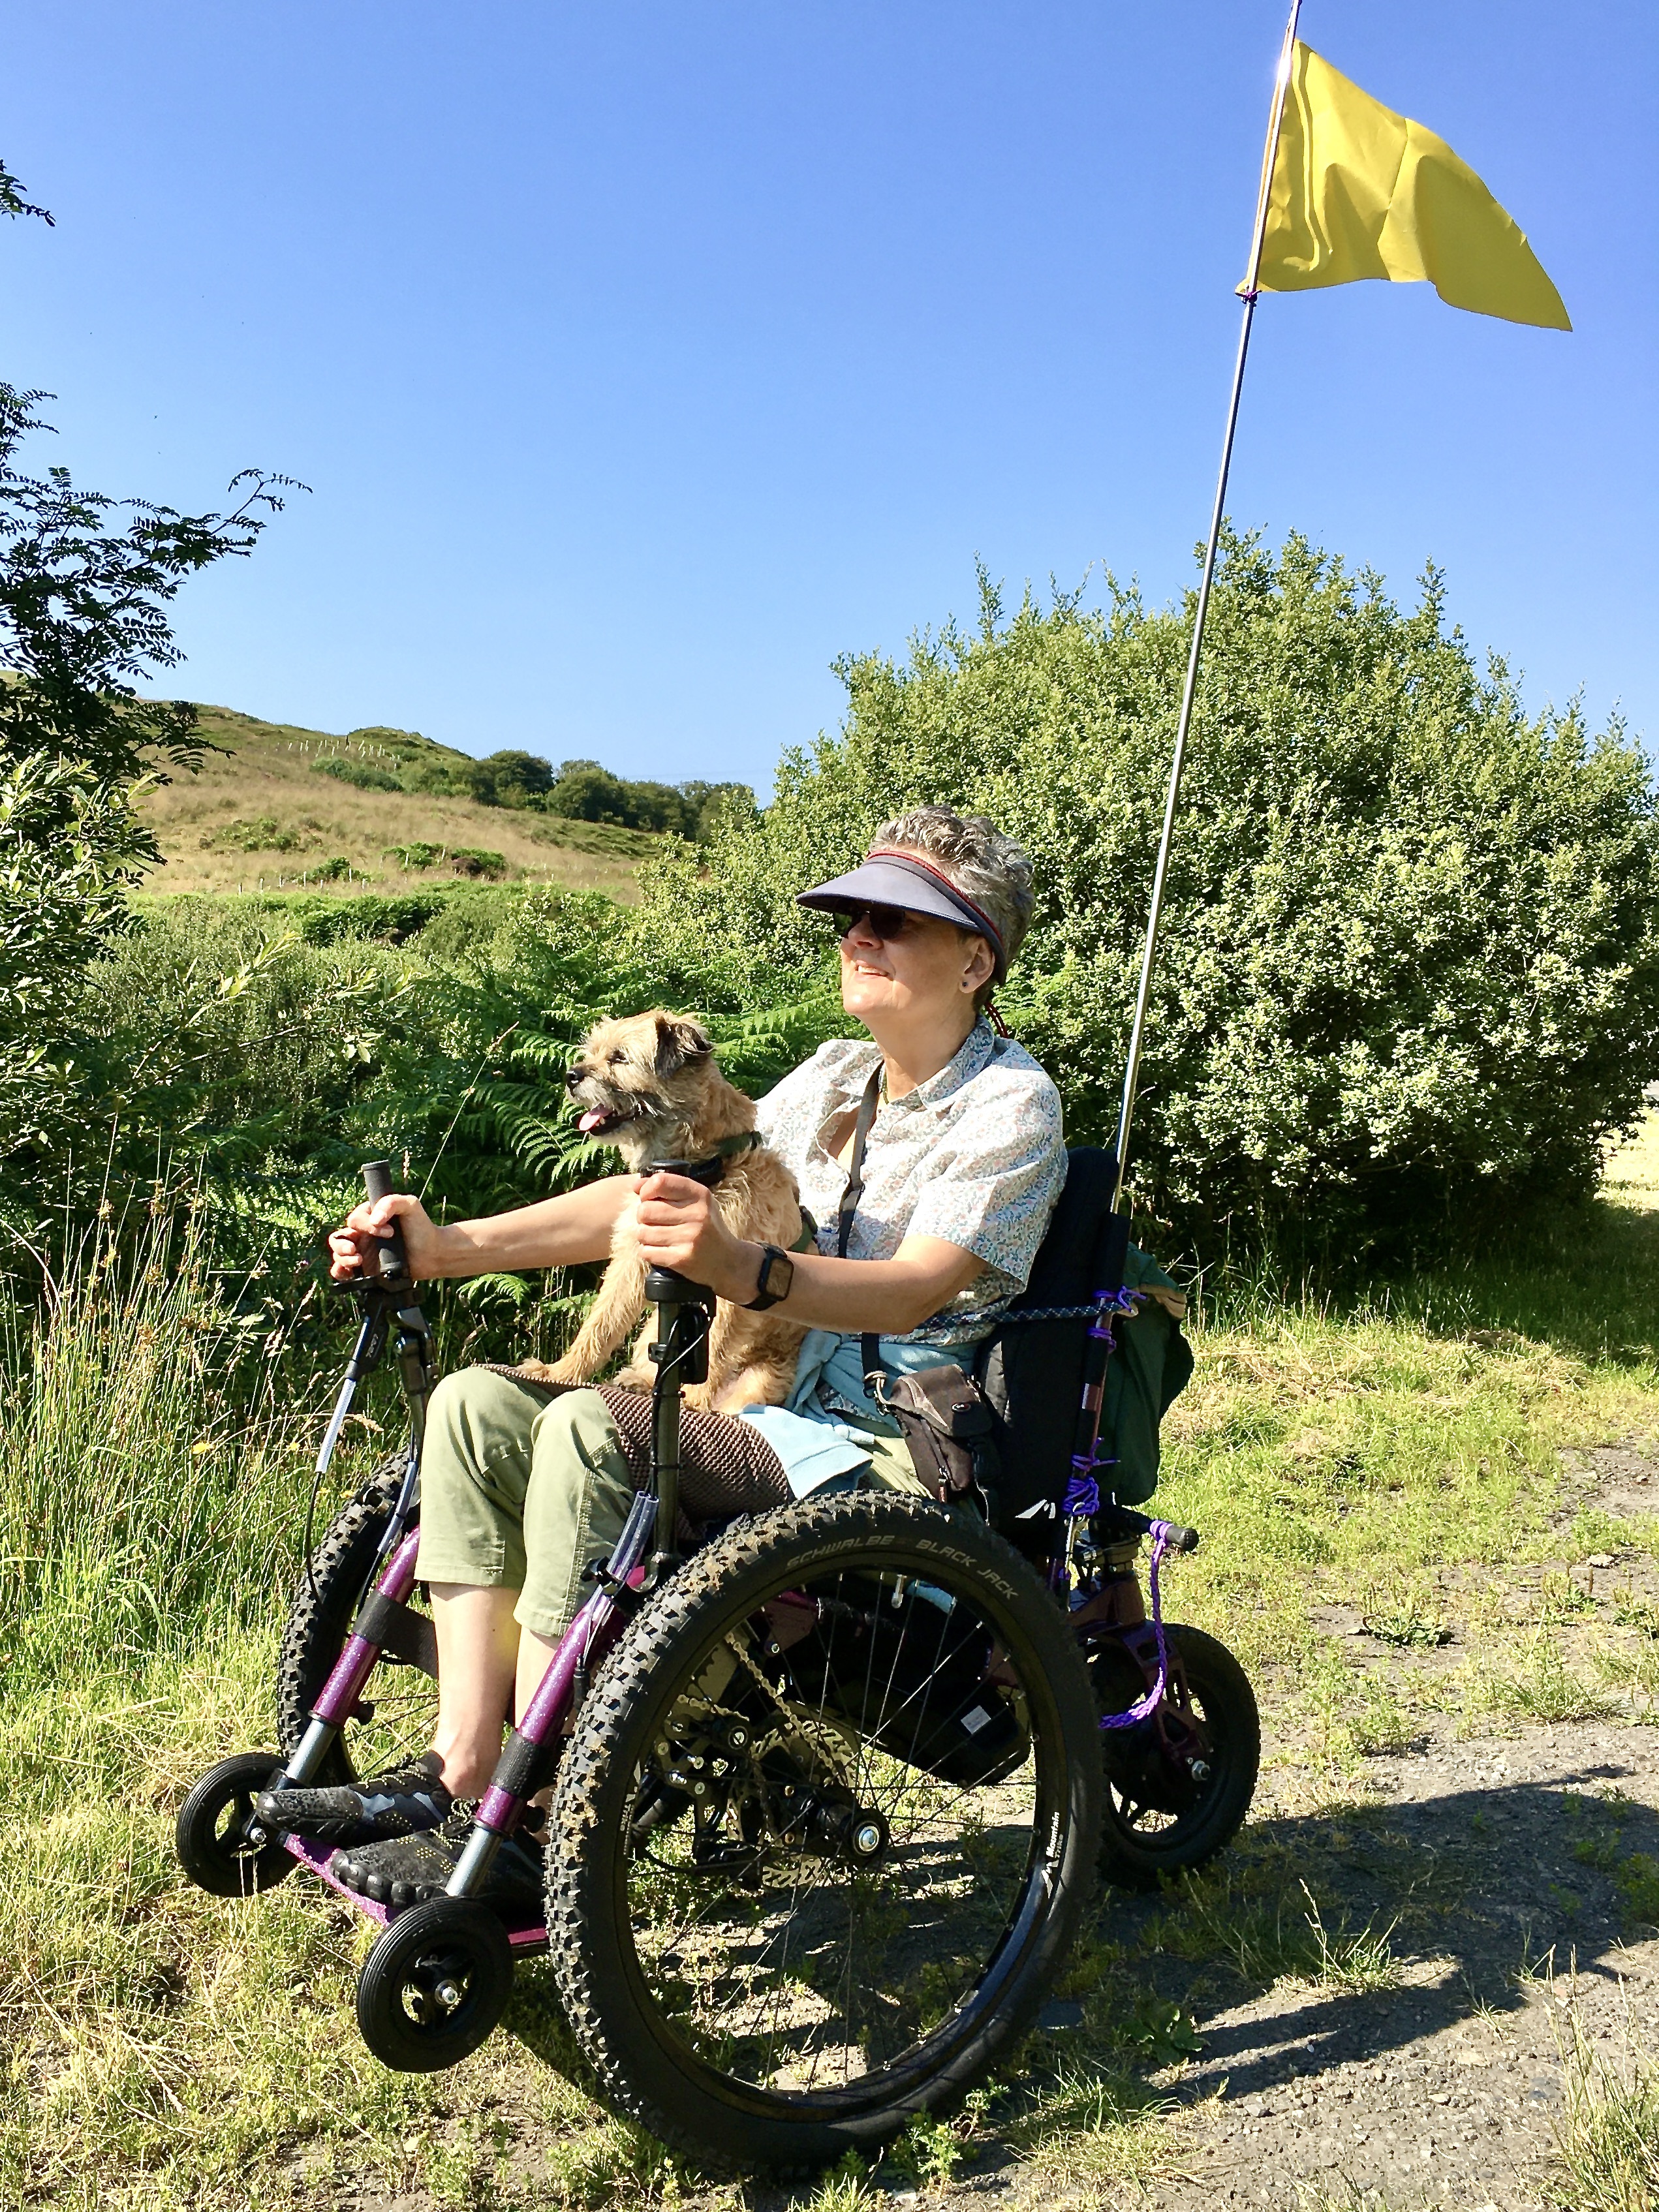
220 1843
434 1985
1166 1815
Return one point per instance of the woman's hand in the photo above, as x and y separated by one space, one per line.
680 1227
366 1232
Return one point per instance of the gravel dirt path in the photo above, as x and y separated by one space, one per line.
1516 1878
1445 2088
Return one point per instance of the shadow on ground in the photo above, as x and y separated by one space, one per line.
1472 1894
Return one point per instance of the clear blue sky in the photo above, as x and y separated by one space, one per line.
643 357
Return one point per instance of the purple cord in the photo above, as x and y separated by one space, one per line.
1144 1708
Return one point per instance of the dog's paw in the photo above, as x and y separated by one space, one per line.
637 1378
567 1370
537 1370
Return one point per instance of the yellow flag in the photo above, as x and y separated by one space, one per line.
1358 190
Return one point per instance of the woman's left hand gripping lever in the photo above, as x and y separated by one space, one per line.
389 1238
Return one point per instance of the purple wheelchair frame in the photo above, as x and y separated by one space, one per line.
645 1554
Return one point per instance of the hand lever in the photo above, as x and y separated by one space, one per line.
393 1260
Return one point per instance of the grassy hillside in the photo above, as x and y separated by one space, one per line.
263 816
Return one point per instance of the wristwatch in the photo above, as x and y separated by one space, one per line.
777 1274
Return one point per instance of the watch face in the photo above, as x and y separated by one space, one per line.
777 1275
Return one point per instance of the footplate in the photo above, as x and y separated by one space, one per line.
317 1858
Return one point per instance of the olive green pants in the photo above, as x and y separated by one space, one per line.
523 1487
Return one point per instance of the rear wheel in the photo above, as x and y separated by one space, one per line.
1178 1785
824 1832
396 1720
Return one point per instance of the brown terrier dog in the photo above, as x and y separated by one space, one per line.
650 1086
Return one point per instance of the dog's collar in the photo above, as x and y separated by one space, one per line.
711 1170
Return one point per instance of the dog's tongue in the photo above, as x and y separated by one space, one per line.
595 1118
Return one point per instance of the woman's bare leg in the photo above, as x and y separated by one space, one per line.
477 1652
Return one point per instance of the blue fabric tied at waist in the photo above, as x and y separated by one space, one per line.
824 1429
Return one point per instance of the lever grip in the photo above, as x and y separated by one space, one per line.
1116 1519
393 1257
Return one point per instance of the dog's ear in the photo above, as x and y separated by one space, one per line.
680 1041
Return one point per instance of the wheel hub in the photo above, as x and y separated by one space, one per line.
857 1834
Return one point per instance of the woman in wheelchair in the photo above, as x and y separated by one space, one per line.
524 1485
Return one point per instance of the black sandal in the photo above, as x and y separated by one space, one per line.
404 1803
410 1869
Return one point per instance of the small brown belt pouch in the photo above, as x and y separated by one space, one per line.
950 1431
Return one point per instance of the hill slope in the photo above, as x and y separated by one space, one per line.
261 815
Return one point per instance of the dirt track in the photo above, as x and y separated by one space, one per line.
1444 2090
1516 1876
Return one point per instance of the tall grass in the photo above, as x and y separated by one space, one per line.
152 1477
1609 2133
151 1474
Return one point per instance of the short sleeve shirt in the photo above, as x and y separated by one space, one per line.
975 1155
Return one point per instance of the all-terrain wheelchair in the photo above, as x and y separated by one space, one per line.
830 1786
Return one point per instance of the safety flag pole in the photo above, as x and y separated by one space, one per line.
1132 1073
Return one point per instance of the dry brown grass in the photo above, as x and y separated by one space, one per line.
269 773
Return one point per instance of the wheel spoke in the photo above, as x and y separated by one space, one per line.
826 1965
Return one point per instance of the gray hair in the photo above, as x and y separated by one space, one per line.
982 863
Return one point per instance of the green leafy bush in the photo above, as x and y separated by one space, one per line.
587 793
1410 972
228 1049
460 860
506 779
363 774
580 791
262 834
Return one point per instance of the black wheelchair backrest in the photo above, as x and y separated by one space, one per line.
1031 1370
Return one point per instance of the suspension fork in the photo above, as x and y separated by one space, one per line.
386 1297
519 1770
680 1353
344 1686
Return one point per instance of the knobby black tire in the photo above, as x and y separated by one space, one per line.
1139 1846
320 1618
646 2061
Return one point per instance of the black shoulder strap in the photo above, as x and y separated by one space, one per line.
869 1344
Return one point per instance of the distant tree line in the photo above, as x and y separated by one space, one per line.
576 790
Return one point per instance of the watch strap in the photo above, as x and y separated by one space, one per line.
770 1254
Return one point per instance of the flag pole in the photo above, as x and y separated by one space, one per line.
1132 1073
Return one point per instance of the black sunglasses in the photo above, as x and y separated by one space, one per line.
886 922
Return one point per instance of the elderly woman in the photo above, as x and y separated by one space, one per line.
524 1487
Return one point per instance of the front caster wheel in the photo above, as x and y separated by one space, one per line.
220 1843
434 1985
1177 1786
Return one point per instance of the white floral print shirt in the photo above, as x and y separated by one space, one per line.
975 1155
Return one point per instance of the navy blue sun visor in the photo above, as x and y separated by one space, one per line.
888 877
